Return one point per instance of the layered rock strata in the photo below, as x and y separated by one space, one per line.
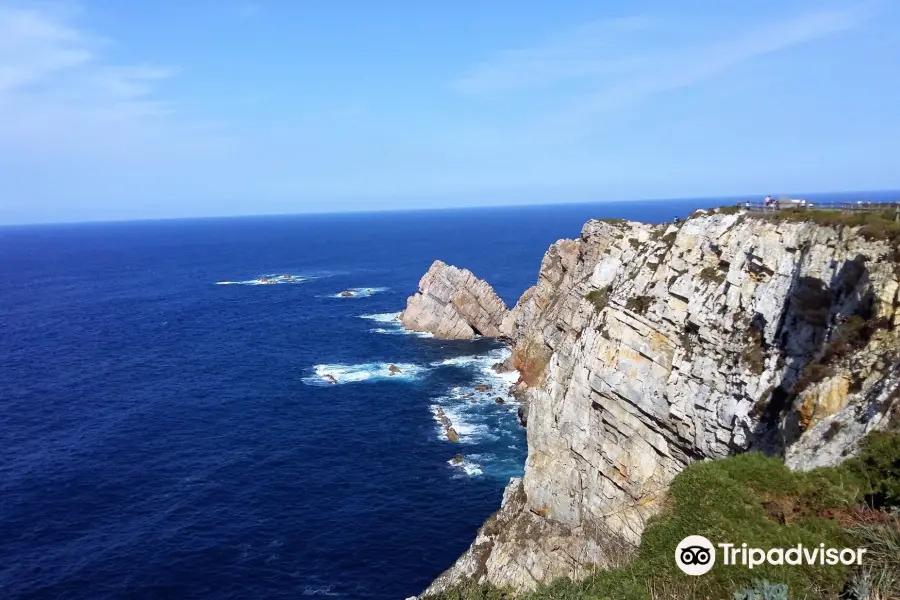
644 348
452 303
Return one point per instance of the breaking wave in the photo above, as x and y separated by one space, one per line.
383 317
470 431
270 279
326 375
467 466
484 365
392 325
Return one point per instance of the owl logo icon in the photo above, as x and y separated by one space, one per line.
695 555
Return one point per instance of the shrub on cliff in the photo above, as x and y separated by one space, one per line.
728 210
598 298
878 465
711 275
639 304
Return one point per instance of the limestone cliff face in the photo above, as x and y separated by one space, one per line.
645 348
452 303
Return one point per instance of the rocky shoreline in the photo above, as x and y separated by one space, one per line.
644 348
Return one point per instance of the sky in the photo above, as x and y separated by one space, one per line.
118 109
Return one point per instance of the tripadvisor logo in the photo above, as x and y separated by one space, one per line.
696 555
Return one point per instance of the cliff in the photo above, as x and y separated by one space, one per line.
644 348
452 303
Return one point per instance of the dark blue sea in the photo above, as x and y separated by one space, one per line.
167 429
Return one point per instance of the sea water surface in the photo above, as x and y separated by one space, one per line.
167 429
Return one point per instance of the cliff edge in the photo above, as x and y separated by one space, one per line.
645 348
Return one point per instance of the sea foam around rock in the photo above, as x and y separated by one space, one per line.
362 373
359 292
271 279
475 414
392 326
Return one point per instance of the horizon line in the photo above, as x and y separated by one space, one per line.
700 199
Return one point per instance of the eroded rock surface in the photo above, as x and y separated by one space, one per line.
644 348
454 304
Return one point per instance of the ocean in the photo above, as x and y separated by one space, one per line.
168 429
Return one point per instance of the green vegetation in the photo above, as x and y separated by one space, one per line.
753 499
853 334
635 243
711 275
763 590
874 225
728 210
754 354
599 298
878 465
639 304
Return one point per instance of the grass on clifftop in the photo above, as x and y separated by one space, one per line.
874 225
753 499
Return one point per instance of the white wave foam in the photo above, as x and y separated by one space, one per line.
473 412
383 317
476 415
484 365
338 374
393 319
472 469
400 331
270 279
359 292
458 361
469 431
484 362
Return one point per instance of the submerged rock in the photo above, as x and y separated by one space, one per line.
347 294
442 417
393 369
499 400
329 378
482 387
451 434
457 459
452 303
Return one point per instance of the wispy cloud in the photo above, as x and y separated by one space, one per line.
583 51
59 94
612 62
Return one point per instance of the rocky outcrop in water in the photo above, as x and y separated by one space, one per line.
454 304
447 424
644 348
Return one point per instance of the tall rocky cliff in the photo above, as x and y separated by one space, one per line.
647 347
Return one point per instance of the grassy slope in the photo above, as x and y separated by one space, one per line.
753 499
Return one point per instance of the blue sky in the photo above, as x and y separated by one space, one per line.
117 109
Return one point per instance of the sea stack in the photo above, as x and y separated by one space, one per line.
452 303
